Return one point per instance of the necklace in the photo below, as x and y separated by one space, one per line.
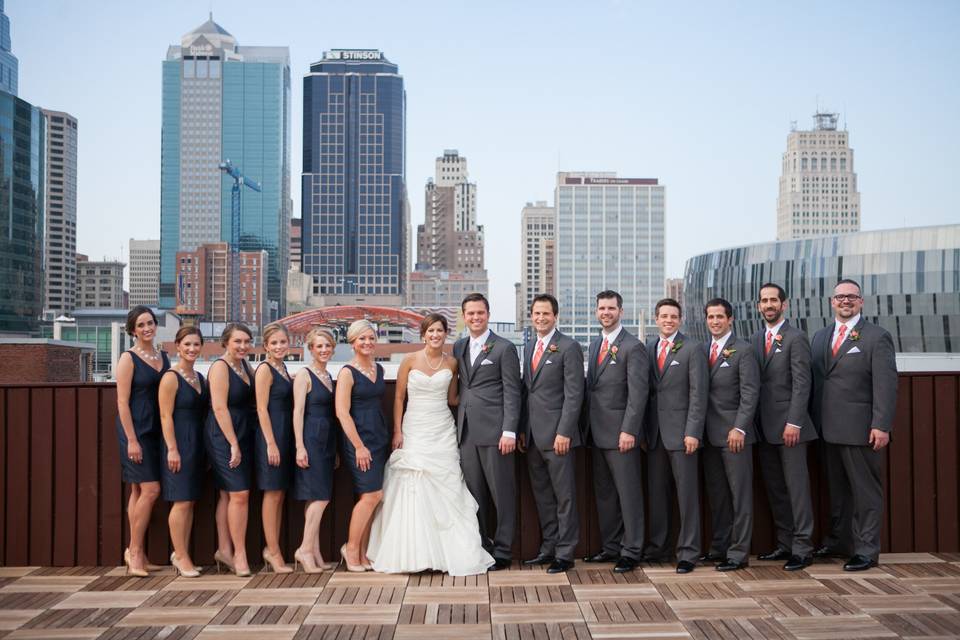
323 375
237 369
427 358
372 372
191 380
282 370
147 356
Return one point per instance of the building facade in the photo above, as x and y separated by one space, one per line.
144 272
910 280
296 244
818 187
609 235
353 190
433 288
537 256
100 284
222 101
204 292
450 239
60 209
9 65
22 145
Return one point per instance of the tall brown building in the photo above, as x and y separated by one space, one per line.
203 285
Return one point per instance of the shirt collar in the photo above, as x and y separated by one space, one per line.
481 339
722 340
671 338
775 330
547 338
851 323
612 336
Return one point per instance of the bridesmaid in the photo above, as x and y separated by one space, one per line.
138 429
360 388
183 407
229 438
274 439
315 431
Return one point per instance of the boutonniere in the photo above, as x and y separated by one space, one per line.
676 346
727 353
613 353
778 339
486 348
552 348
854 335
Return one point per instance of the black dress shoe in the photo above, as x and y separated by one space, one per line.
602 556
624 565
540 559
500 564
712 557
776 554
859 563
730 565
560 566
796 563
827 552
685 566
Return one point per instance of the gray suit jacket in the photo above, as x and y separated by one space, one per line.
617 390
489 393
678 396
857 390
734 392
554 392
785 382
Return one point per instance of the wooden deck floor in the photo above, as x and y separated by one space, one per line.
908 596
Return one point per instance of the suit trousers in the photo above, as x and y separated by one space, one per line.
619 491
662 465
489 474
729 482
787 481
859 486
840 536
554 484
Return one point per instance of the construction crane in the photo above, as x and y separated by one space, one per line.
238 180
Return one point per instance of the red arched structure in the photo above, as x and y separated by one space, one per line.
299 324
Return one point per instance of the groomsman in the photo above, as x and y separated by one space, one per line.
854 401
617 379
785 428
487 420
679 383
728 454
553 383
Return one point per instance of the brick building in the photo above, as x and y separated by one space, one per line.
35 360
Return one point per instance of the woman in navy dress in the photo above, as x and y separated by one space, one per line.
360 388
229 439
315 430
183 407
138 429
274 439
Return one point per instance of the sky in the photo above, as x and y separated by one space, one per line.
698 94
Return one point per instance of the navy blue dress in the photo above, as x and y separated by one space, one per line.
145 411
280 408
239 401
365 409
320 440
189 410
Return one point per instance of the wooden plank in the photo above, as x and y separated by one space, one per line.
3 470
65 487
18 477
41 478
88 477
900 495
946 398
112 497
923 471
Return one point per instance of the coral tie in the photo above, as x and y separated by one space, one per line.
603 351
839 340
662 358
537 355
769 343
713 354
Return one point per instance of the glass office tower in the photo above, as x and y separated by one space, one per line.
355 213
223 102
9 65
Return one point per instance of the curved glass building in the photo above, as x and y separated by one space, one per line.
910 279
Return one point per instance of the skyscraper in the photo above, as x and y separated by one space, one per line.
100 284
22 154
9 65
144 272
60 207
610 235
449 238
818 188
537 256
354 200
222 102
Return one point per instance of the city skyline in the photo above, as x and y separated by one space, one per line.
667 96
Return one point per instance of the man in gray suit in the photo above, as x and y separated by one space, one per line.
728 454
785 428
487 420
679 383
616 396
553 382
854 403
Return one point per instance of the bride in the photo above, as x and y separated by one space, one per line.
428 519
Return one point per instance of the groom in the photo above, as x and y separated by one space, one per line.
487 420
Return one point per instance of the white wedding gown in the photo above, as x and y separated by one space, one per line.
428 519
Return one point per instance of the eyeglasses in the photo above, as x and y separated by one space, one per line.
848 297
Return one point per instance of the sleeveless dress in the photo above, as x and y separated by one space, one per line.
429 518
365 409
189 412
320 440
239 400
280 408
145 412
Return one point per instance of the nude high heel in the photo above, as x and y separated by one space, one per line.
356 568
185 573
137 573
220 558
306 559
268 562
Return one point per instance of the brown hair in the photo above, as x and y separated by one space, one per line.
318 332
430 320
135 313
230 328
183 332
272 328
474 297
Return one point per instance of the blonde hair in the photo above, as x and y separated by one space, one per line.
319 332
272 328
358 328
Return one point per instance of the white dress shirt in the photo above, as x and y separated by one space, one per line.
476 346
774 330
546 342
851 323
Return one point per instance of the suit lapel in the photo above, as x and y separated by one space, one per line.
773 344
592 362
652 353
678 339
543 357
846 345
487 348
610 349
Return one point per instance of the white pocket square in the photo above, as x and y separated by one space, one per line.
779 351
548 362
674 363
724 364
854 350
485 361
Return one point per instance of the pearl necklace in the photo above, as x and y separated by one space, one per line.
366 372
237 369
322 375
191 380
282 370
153 357
427 358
